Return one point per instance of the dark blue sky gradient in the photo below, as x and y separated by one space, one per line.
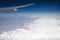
40 5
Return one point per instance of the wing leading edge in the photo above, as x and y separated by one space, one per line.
14 8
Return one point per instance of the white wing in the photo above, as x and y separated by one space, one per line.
14 8
23 6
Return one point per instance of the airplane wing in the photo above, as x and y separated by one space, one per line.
22 6
14 8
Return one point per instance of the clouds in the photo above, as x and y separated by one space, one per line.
13 21
46 27
38 27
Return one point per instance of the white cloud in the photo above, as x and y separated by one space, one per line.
13 21
43 27
46 27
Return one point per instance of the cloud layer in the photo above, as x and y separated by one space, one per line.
34 28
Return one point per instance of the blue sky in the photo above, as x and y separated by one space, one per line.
40 5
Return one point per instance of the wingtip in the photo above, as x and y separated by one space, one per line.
33 3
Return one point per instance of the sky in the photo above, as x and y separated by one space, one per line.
37 22
40 5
